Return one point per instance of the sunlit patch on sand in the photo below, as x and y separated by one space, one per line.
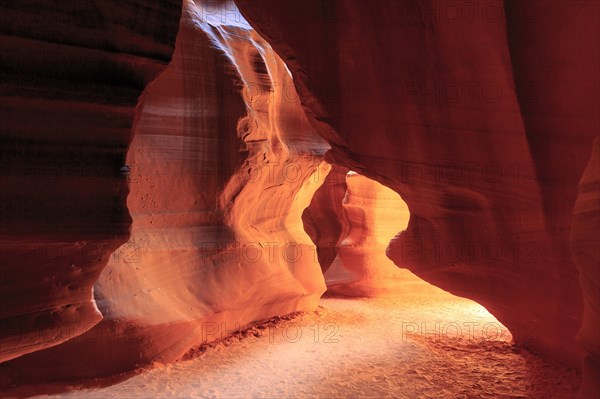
358 348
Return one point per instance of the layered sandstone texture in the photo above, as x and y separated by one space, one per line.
221 165
134 229
482 122
369 215
71 77
585 236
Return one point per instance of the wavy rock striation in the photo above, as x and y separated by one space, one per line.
71 77
480 120
463 118
585 236
223 163
324 219
373 214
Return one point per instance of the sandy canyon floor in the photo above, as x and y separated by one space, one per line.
423 343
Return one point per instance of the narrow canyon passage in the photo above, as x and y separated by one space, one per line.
299 199
379 331
424 343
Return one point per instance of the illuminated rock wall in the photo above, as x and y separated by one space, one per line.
481 122
222 164
480 117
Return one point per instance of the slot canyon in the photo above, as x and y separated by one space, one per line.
300 199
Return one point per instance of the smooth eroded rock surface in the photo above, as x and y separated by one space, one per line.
468 120
72 73
136 228
222 164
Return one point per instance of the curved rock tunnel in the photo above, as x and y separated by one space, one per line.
478 123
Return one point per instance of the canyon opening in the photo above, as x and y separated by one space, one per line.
300 198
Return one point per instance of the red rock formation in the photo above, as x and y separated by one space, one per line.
469 113
219 235
217 239
351 220
373 214
71 77
585 236
324 219
434 105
